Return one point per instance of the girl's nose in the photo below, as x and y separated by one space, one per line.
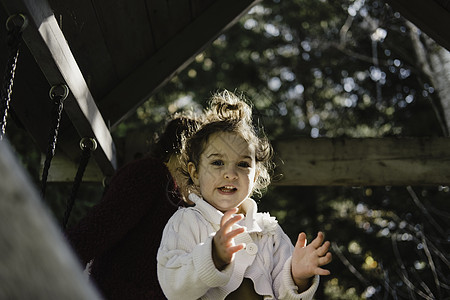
230 173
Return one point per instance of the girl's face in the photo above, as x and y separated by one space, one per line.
226 172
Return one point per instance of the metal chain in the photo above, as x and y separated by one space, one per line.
58 96
87 145
14 40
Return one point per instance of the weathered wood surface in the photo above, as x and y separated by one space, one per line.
167 18
173 57
36 261
64 169
80 26
323 162
126 32
370 162
430 16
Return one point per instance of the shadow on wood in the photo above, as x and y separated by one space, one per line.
35 261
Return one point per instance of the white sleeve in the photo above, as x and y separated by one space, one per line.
185 266
283 284
289 290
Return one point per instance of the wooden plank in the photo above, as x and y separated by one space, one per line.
126 30
429 16
136 144
171 58
64 169
51 51
198 6
370 162
167 18
321 162
80 27
36 260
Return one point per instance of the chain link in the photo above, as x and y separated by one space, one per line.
58 104
14 40
87 145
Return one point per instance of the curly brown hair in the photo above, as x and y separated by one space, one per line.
232 114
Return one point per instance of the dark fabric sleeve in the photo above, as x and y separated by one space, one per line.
129 197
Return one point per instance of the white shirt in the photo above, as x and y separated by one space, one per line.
186 269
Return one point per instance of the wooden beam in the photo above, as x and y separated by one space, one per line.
369 162
324 162
135 145
51 51
166 18
64 169
126 32
430 16
171 58
36 261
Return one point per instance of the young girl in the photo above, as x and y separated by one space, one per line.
222 248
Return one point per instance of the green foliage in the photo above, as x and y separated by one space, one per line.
318 68
379 235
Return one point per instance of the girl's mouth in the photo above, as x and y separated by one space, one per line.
227 189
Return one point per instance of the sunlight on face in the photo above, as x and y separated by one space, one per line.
226 171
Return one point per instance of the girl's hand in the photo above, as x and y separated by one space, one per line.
307 260
223 245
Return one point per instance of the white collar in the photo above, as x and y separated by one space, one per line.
213 215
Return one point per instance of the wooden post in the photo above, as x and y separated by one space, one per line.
35 261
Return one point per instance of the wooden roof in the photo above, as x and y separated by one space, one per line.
433 17
114 55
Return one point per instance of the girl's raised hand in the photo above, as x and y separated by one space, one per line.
223 245
308 259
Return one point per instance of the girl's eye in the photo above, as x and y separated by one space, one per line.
217 163
244 164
